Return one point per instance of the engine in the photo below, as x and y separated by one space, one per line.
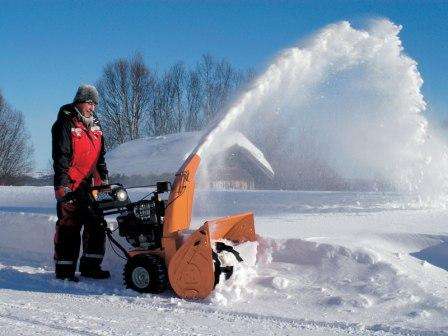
141 222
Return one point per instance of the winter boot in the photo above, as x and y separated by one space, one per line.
95 273
73 278
90 267
65 272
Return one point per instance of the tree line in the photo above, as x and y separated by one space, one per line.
15 144
137 101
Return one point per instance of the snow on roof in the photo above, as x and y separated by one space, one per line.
154 155
238 139
165 154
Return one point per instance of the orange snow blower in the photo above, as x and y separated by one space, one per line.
163 253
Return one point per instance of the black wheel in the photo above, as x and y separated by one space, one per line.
146 273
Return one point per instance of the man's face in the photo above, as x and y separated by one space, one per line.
86 108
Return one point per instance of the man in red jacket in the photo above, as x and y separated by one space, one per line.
78 162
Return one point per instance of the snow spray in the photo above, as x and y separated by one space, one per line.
345 104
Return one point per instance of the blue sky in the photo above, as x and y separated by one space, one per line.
48 48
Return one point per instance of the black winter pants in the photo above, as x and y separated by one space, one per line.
72 216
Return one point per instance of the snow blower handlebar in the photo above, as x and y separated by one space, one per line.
114 198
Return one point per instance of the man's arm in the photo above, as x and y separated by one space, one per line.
101 166
61 152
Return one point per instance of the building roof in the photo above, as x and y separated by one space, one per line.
165 154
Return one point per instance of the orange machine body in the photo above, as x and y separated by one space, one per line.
189 262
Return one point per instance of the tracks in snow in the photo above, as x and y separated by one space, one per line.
28 313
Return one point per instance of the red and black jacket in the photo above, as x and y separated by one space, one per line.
78 152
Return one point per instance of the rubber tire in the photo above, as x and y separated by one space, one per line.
156 273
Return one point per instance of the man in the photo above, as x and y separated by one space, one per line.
78 162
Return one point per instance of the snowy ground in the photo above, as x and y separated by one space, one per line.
327 264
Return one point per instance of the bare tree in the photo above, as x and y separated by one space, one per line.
157 122
126 88
189 100
136 101
206 75
194 98
173 95
161 117
15 146
177 78
169 112
219 82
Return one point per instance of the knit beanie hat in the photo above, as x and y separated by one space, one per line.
86 93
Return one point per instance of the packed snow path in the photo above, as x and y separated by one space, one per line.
326 264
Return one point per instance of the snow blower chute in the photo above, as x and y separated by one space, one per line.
163 254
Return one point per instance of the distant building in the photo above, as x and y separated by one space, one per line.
237 168
234 162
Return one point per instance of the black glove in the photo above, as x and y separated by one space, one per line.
62 193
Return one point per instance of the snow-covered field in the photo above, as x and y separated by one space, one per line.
327 263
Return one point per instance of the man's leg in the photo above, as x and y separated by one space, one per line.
93 243
66 241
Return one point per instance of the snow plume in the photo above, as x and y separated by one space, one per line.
345 105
